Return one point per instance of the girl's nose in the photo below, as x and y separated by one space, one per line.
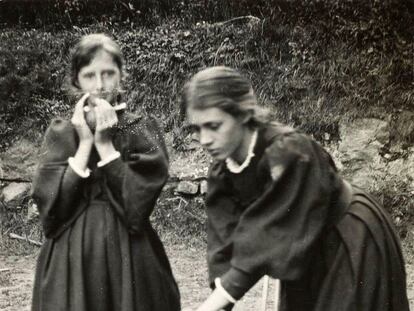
99 83
205 138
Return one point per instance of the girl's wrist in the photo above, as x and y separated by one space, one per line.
102 138
216 301
85 147
105 149
86 142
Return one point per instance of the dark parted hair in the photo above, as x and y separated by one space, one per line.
85 50
224 88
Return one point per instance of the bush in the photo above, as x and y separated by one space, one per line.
311 62
363 20
309 69
31 71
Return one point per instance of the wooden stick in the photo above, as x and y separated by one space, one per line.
7 179
239 18
264 293
121 106
277 294
21 238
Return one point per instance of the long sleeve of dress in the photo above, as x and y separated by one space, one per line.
56 187
277 232
134 181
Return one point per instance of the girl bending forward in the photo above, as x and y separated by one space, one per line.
277 206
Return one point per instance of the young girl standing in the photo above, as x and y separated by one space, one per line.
277 206
98 179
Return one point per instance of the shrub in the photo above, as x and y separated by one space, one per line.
308 76
31 71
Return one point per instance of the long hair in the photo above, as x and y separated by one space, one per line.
224 88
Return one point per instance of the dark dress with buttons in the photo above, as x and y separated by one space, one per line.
291 216
101 252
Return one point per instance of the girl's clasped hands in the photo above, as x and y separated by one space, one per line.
97 116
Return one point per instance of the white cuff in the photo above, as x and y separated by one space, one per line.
112 157
81 173
222 291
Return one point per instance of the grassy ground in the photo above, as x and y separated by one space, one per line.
189 266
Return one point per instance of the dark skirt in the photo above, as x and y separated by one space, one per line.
96 265
358 265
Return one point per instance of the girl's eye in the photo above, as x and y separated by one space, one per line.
89 75
214 126
108 73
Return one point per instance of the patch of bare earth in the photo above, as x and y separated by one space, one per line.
189 266
16 281
190 271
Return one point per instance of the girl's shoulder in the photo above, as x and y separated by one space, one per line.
286 145
274 130
136 122
277 144
60 126
60 140
141 130
283 144
60 131
285 138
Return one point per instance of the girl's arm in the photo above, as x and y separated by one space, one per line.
276 234
57 187
106 119
62 172
80 161
134 180
215 302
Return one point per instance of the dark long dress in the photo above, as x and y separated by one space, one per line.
291 216
101 252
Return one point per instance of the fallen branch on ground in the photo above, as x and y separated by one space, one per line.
22 238
18 179
237 19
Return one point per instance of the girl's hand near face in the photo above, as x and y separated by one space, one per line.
106 119
80 160
80 124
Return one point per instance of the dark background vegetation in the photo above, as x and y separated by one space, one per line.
312 62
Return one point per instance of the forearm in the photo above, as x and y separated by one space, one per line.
81 157
237 282
57 192
215 302
105 149
68 191
133 188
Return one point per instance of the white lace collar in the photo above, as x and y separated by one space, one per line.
233 166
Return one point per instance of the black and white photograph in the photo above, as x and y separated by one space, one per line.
206 155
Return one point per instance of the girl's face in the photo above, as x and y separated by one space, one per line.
101 77
220 133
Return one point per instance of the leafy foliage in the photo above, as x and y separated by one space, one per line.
312 62
31 68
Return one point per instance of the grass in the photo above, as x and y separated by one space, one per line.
312 63
307 76
189 268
